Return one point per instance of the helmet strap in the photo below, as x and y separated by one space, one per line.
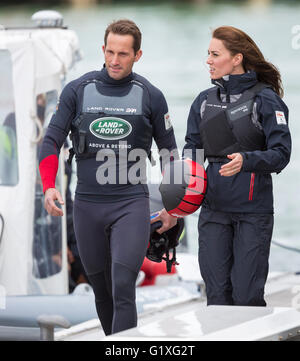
172 261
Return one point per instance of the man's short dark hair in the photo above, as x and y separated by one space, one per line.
125 27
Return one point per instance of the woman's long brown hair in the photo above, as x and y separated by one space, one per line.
236 41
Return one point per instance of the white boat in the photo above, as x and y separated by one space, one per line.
34 62
184 316
34 283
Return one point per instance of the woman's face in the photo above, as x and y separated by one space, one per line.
221 62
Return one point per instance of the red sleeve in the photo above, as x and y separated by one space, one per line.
48 169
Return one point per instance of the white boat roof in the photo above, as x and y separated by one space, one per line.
54 51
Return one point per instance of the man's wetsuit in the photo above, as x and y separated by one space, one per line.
111 220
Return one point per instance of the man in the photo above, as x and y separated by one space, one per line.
110 113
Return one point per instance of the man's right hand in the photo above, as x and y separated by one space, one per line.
167 220
52 195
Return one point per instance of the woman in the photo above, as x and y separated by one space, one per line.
241 123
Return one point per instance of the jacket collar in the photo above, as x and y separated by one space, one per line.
236 84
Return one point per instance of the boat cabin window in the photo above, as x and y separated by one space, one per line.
8 138
47 242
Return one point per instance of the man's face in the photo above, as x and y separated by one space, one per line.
119 55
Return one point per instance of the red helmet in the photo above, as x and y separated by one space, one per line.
183 187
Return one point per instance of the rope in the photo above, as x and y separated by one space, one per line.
293 249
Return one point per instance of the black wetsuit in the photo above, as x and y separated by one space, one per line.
111 220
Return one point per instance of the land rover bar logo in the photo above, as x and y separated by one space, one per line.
110 128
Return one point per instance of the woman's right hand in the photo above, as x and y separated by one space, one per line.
52 195
232 167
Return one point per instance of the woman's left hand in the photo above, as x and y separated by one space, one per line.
233 167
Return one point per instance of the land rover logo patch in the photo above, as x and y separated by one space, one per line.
110 128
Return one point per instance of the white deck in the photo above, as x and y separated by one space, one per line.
188 318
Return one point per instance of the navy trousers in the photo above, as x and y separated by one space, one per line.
233 256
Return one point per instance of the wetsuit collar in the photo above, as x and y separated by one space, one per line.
107 79
236 84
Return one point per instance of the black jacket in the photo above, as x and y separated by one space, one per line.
251 189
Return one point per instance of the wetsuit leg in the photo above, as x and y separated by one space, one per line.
91 225
119 236
251 247
125 313
101 284
215 255
130 232
128 240
93 246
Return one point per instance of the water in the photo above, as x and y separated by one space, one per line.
175 41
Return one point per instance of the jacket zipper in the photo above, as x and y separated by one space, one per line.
251 186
